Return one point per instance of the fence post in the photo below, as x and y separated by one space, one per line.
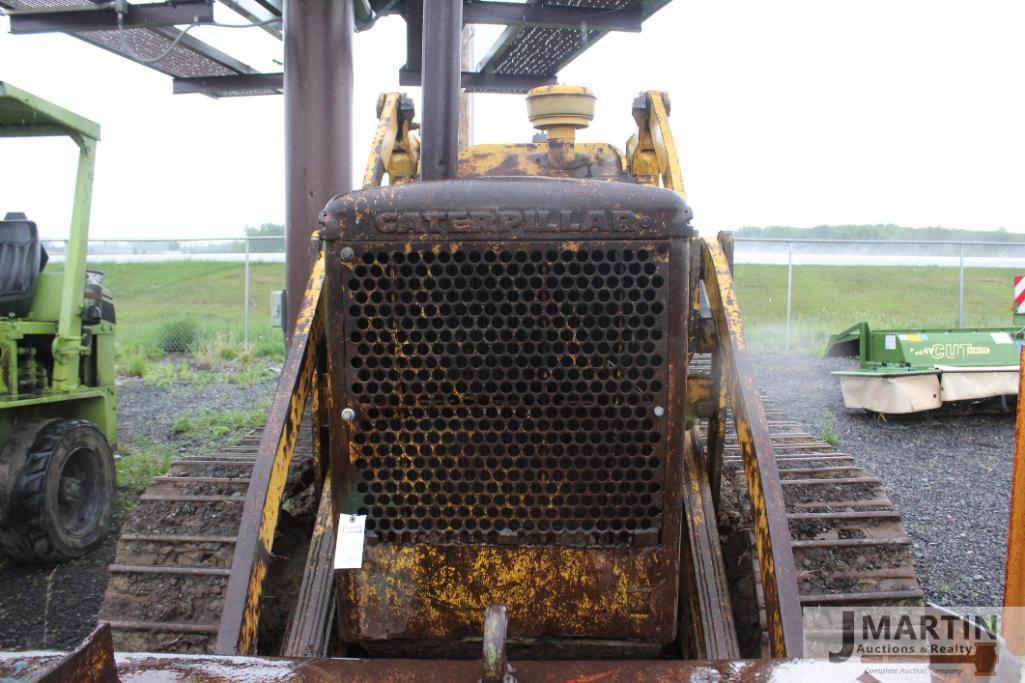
245 300
960 291
790 284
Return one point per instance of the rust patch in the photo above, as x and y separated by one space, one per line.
440 592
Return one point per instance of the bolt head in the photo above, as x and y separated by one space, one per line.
659 411
348 414
346 253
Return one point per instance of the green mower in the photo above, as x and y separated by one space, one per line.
912 370
57 398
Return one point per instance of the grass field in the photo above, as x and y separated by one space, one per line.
828 299
203 300
156 301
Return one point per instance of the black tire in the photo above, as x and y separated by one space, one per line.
63 499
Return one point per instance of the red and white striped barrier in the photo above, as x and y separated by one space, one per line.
1019 293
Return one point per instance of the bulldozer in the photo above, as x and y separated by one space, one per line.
517 427
517 435
58 421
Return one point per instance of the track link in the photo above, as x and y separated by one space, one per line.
166 587
848 541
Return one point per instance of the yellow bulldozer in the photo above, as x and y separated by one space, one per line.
518 404
517 437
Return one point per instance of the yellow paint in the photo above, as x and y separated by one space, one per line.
532 160
394 151
440 592
723 301
279 440
651 150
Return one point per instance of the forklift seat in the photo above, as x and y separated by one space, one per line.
21 259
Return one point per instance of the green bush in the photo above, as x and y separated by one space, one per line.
135 365
135 470
178 335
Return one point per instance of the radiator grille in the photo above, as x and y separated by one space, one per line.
508 393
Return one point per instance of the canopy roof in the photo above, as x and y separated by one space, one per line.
23 114
541 37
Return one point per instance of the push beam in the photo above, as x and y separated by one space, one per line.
1014 581
240 619
772 535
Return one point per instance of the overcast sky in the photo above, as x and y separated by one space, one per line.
791 112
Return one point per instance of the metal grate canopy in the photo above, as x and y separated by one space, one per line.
190 58
180 62
545 50
541 37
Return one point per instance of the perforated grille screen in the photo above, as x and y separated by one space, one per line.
508 394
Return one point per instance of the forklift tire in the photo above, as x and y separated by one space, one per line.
63 499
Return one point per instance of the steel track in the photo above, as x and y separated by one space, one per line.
166 587
849 545
167 584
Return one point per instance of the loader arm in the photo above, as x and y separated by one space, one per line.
731 385
775 555
240 619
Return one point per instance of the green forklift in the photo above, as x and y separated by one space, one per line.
58 406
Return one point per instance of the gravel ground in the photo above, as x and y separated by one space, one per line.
147 412
948 475
55 606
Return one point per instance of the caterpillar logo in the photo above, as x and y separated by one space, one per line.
497 221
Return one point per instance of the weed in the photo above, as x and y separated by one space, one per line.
219 425
134 365
272 348
212 429
167 374
219 350
178 335
827 430
251 375
136 469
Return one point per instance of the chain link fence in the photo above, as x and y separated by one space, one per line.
795 293
199 297
212 297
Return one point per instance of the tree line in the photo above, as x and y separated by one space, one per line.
886 231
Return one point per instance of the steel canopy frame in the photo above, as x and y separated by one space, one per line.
318 70
318 82
539 41
150 29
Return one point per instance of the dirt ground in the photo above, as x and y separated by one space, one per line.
948 475
55 606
